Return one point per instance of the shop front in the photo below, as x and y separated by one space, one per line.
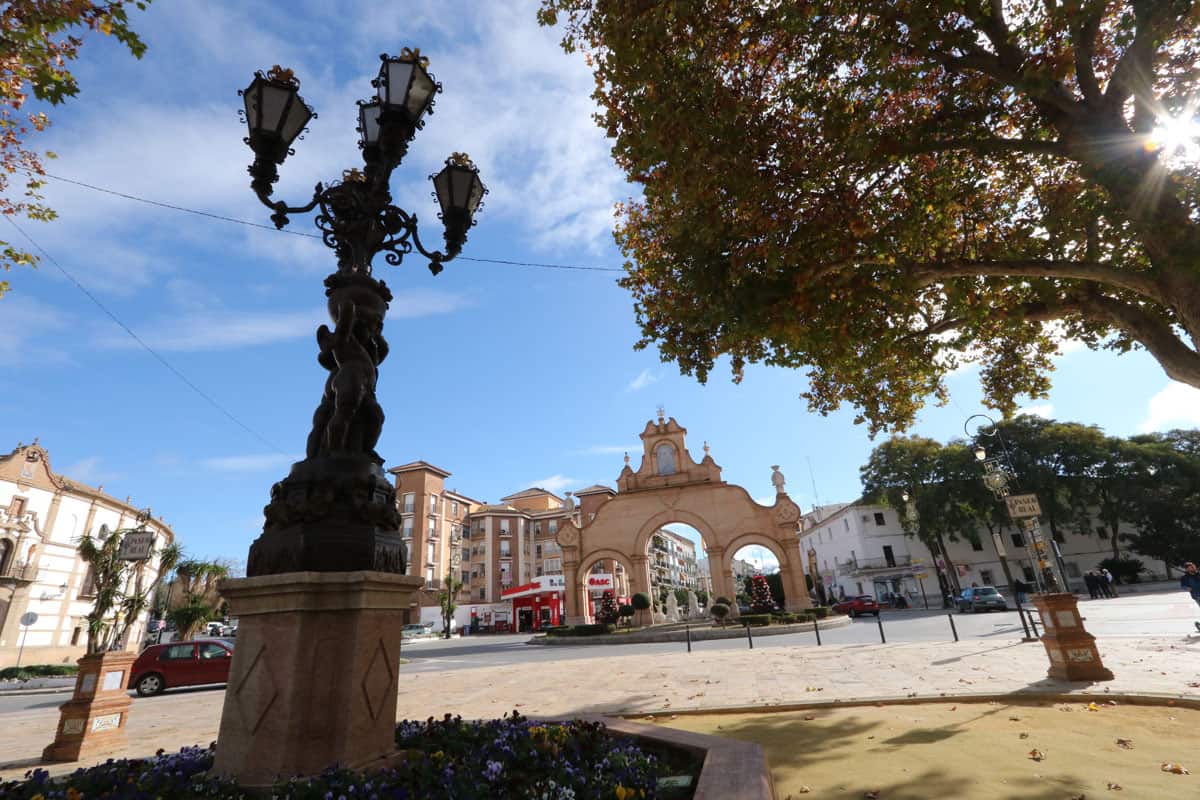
537 605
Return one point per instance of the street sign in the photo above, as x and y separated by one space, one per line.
921 576
1023 505
999 543
28 618
136 546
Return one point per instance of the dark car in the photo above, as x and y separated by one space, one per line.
853 606
169 666
981 598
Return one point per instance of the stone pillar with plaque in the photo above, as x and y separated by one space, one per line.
92 722
1071 649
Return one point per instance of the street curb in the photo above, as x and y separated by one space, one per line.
1019 697
699 634
42 690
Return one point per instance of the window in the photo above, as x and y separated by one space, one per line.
504 528
1072 569
16 507
977 544
664 457
505 551
178 652
1018 540
1028 572
88 587
209 651
880 519
408 502
466 576
888 556
537 529
433 531
433 504
552 565
429 575
429 553
538 551
454 508
845 523
483 594
985 575
553 526
466 556
407 528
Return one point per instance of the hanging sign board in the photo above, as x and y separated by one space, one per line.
1023 505
136 546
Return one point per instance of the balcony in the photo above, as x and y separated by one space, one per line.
18 571
860 565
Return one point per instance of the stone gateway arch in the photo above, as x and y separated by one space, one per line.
670 487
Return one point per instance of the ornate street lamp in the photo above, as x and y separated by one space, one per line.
336 510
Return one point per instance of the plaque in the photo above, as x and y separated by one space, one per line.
73 726
1065 619
87 684
107 722
1079 655
113 680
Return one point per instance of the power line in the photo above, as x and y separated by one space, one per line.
141 341
248 223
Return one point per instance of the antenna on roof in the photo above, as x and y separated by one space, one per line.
812 477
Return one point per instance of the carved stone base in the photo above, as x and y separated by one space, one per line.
331 514
314 675
1071 649
92 722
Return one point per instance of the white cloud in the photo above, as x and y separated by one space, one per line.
86 470
606 450
247 463
556 483
644 379
765 500
1176 406
32 330
760 557
1043 410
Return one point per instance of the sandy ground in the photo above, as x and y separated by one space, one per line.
970 750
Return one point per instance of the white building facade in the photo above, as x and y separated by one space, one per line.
861 548
42 518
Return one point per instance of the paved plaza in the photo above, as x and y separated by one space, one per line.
483 677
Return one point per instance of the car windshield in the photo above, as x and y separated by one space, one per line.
987 590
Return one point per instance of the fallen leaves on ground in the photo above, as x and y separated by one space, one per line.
871 795
1126 744
1178 769
1093 707
1114 787
1023 735
1037 755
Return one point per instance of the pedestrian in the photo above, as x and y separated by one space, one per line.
1093 587
1020 588
1191 581
1102 587
1110 582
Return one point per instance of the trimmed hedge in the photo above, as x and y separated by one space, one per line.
640 601
820 612
38 671
559 630
581 630
757 620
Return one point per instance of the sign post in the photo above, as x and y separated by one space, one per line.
27 619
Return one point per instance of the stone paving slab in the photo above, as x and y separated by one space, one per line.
636 684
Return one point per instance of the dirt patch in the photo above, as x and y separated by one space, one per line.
971 750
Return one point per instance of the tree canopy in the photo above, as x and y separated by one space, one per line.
38 39
879 192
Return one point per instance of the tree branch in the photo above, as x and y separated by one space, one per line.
985 146
1083 38
1143 283
1179 361
1133 76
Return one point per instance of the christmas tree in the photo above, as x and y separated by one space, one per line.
760 595
608 612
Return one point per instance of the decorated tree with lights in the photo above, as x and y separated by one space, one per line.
608 612
880 193
760 595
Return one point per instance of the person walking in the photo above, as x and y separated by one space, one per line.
1020 588
1093 586
1190 580
1109 582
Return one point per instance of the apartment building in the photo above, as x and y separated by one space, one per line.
673 561
433 521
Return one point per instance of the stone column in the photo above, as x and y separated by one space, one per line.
92 722
639 581
795 590
575 594
313 681
1070 648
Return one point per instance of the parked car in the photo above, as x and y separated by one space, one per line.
981 598
853 606
416 629
169 666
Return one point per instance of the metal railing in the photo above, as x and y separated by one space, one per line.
19 571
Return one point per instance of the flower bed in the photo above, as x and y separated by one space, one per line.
512 757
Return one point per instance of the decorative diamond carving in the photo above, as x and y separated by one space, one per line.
256 692
377 680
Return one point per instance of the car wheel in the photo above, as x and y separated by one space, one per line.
151 684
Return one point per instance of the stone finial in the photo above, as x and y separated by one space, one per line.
706 449
662 412
627 458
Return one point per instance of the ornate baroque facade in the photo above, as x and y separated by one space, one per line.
42 517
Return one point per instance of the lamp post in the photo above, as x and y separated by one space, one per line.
1070 648
328 573
948 571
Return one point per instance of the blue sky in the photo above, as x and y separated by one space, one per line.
506 376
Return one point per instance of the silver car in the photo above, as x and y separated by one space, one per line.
981 598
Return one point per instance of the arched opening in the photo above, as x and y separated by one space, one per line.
605 571
680 572
747 563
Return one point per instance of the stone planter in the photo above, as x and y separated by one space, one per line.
92 722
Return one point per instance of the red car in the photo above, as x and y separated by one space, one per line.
168 666
863 604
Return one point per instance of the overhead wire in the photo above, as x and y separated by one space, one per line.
142 342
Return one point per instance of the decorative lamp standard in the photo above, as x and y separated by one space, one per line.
330 566
1070 648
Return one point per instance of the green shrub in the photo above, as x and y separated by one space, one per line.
641 601
38 671
820 612
720 611
757 620
559 630
725 601
1124 569
593 630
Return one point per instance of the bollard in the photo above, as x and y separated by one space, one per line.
688 630
1033 624
1024 625
749 638
817 630
879 621
953 628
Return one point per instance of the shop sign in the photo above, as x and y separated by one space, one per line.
599 582
1023 505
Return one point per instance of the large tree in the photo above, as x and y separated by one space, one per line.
38 40
881 191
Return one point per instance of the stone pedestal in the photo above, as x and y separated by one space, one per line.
92 723
1071 649
314 675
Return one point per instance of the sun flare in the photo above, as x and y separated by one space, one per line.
1176 138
